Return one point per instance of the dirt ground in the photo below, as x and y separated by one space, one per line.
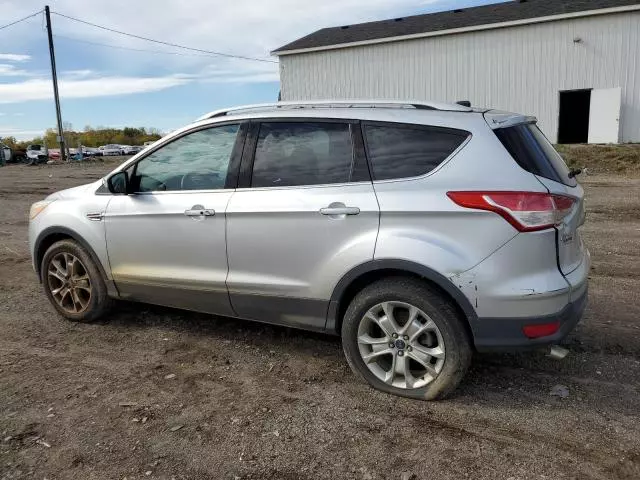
158 393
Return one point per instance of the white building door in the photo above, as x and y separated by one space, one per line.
604 115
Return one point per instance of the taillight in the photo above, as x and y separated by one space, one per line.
526 211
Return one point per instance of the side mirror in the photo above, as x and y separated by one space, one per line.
118 183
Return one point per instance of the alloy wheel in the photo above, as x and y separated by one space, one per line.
69 282
401 345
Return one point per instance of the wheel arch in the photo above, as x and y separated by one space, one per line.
51 235
365 274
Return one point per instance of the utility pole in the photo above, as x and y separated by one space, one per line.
63 152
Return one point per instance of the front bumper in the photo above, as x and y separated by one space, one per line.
491 334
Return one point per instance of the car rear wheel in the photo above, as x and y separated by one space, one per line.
405 338
73 283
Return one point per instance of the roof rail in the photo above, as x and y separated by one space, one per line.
420 105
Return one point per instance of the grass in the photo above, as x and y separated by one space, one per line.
617 159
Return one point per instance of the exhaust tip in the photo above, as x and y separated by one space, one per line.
557 353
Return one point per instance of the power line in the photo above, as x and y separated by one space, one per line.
161 42
21 20
132 49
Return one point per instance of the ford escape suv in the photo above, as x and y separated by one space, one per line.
419 232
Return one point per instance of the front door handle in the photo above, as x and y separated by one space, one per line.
339 209
199 211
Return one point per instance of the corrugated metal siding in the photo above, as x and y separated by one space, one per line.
520 69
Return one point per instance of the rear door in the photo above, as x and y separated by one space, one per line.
306 215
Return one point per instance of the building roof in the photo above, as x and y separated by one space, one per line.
516 10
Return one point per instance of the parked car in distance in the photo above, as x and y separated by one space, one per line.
91 152
54 154
111 150
36 154
18 155
5 154
418 232
146 144
131 149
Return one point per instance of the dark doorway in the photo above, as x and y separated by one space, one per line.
573 124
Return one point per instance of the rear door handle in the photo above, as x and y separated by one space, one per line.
199 211
339 209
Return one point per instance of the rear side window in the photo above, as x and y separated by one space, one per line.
409 151
302 153
532 151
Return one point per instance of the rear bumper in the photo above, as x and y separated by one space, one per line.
491 334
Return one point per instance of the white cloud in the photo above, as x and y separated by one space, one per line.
78 73
235 71
18 133
41 89
242 27
14 57
7 70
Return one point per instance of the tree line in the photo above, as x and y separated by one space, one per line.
89 137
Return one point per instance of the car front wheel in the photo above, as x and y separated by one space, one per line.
404 337
73 282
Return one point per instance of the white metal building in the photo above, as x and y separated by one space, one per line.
575 64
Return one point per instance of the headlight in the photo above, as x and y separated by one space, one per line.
38 207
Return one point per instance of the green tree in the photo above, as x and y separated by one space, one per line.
10 142
95 137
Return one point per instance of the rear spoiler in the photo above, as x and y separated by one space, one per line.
497 119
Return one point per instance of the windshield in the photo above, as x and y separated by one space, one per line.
35 147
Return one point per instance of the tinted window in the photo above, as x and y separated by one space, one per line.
289 154
405 151
532 151
197 161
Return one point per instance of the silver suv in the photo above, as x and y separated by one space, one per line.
419 232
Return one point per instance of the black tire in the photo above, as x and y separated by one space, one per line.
99 301
419 294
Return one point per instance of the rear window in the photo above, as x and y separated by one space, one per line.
532 151
405 151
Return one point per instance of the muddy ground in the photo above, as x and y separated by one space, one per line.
158 393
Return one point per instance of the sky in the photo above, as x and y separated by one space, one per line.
163 87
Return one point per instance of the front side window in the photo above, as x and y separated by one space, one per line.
197 161
302 153
405 151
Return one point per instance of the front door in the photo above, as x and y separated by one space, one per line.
166 239
307 217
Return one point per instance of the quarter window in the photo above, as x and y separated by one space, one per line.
196 161
290 154
406 151
533 152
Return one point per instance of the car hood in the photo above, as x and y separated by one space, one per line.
75 192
